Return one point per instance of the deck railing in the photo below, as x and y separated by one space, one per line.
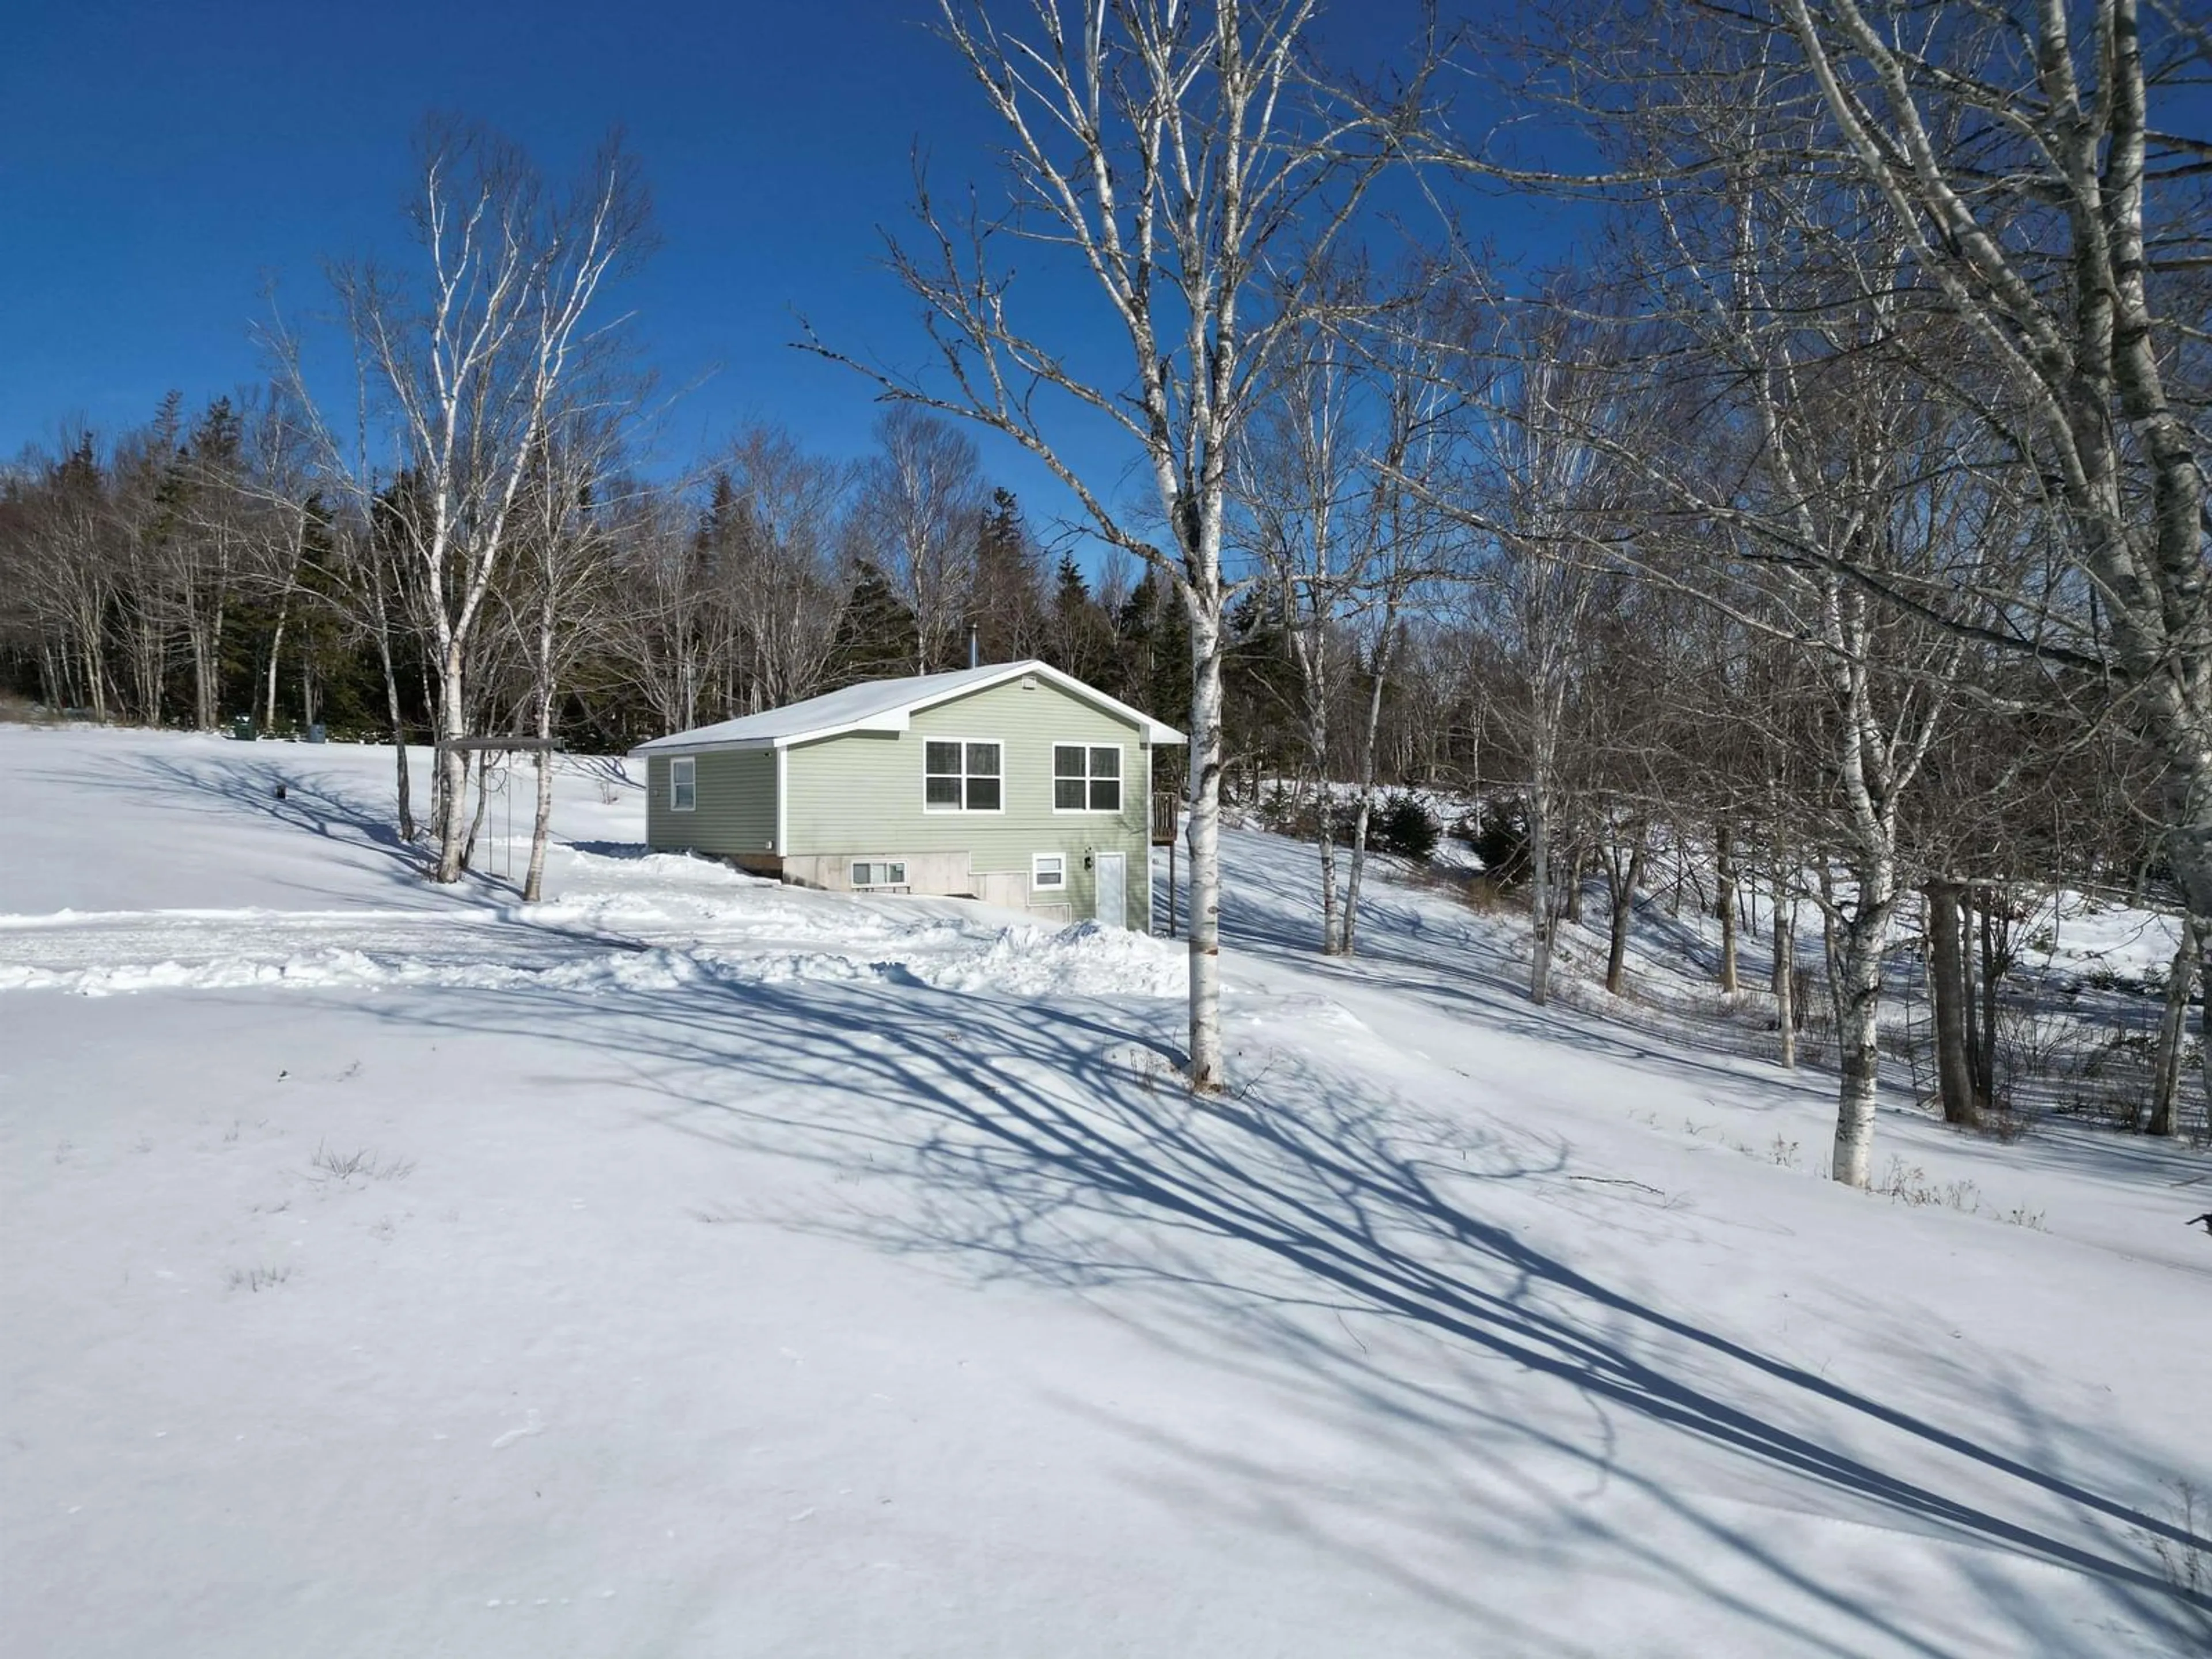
1167 818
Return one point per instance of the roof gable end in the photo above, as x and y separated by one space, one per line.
887 706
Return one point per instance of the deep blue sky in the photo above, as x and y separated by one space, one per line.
161 162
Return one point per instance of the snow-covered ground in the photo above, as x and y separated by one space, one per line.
694 1266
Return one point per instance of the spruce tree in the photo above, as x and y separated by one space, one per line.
875 631
1005 607
1082 639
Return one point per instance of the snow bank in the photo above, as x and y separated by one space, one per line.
1086 960
645 970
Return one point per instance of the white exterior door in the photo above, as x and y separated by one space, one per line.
1112 904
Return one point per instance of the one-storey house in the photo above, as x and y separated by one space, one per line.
1013 783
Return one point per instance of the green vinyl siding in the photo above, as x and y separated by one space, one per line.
736 810
862 794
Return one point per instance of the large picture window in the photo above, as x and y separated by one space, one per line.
1086 777
962 777
683 784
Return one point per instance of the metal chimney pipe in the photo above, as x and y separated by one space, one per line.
975 648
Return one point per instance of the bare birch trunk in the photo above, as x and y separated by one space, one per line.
275 652
1571 895
1315 659
1362 814
403 785
1368 739
203 650
1332 932
1725 901
452 797
1623 907
1785 981
1864 940
1948 998
541 821
1983 1056
2173 1026
1208 1070
1979 1000
483 804
1540 879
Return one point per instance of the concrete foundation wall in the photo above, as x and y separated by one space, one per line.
945 875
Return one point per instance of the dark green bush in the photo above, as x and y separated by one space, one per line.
1404 827
1500 835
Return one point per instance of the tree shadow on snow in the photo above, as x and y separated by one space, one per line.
1463 967
312 802
1328 1238
316 803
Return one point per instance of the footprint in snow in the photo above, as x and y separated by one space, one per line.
530 1426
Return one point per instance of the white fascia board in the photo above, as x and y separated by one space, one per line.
894 724
899 720
891 723
669 747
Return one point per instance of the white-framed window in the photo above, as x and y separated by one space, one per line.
962 775
1049 873
1086 777
878 873
683 784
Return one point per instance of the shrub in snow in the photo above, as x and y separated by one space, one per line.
1405 827
1501 840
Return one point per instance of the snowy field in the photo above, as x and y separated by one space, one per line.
694 1266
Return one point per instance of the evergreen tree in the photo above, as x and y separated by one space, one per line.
875 630
1152 651
1081 640
1261 690
718 529
1005 603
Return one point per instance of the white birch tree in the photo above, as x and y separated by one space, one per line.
920 506
1535 483
462 369
2046 238
1183 160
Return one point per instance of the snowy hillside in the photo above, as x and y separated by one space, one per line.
691 1265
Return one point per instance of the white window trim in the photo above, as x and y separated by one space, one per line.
1086 811
1061 886
876 887
964 810
683 763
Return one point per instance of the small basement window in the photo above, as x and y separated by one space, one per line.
878 874
683 784
962 777
1049 873
1086 777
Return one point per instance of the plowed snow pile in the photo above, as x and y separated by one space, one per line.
647 923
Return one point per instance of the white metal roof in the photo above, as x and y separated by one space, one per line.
885 706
